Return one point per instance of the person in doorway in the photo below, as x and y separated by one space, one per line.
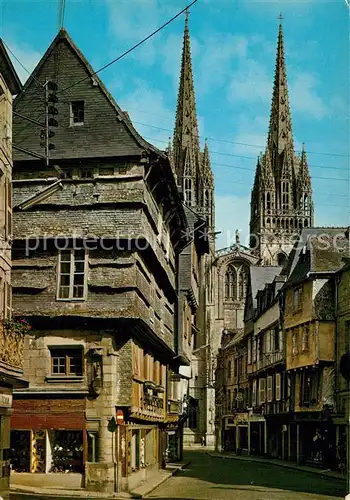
203 440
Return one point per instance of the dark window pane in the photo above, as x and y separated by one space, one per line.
78 279
65 267
79 267
65 256
78 291
64 292
65 279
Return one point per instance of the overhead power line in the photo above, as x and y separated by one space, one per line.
141 42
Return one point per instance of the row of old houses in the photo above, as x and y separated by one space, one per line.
280 391
111 240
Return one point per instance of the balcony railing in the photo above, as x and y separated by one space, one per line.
152 403
275 407
268 359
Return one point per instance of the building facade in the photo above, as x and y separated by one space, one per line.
99 235
11 333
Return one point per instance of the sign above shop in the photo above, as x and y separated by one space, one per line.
6 400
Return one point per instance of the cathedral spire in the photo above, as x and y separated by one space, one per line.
280 136
186 128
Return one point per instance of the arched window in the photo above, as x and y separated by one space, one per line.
268 222
207 203
188 191
268 201
231 283
281 259
243 282
285 195
300 224
305 223
306 204
278 223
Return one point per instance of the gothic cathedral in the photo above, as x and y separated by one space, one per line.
281 199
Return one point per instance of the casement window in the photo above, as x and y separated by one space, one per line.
297 298
254 393
249 350
77 113
278 386
188 191
269 388
72 276
262 391
308 388
254 350
67 362
8 208
305 337
294 342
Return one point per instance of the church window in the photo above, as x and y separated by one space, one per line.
278 223
207 198
306 204
243 281
188 191
282 223
305 223
231 283
291 223
268 201
285 195
300 224
268 221
287 223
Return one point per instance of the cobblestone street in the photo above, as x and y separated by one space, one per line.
206 477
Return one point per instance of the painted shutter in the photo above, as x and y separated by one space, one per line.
254 393
278 386
262 390
269 388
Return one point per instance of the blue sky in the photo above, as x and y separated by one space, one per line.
233 51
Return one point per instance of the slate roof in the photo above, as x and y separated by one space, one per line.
8 71
117 142
260 276
318 250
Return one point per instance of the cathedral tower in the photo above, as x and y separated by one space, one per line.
281 199
192 166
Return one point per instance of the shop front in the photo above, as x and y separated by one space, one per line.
50 443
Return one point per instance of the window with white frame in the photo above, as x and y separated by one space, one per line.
249 350
269 388
294 342
305 338
254 393
262 391
278 386
297 298
72 277
254 350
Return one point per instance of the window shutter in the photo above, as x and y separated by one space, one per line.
280 340
254 393
262 390
269 388
278 386
249 351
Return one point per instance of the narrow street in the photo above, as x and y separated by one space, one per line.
207 478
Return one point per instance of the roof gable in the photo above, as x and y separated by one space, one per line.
107 131
8 72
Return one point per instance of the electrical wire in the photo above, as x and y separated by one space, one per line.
141 42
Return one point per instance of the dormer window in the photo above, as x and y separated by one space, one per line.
77 113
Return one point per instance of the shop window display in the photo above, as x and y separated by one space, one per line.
67 451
